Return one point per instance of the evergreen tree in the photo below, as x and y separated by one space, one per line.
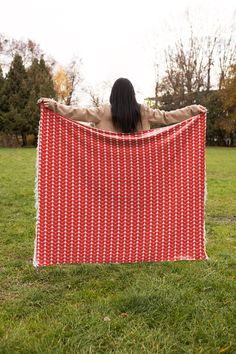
2 81
14 99
1 78
40 84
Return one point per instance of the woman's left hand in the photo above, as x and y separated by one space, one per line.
47 101
202 109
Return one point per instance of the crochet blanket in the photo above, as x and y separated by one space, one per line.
107 197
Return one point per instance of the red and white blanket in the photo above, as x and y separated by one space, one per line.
107 197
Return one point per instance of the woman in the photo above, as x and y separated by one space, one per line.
124 113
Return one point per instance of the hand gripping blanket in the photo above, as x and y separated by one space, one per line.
107 197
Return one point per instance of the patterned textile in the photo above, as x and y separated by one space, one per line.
107 197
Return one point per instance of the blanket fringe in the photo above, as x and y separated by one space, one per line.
36 205
205 199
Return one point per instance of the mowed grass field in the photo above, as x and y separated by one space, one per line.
179 307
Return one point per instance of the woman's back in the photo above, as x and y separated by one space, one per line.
101 116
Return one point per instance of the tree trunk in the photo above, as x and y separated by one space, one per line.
24 140
17 139
35 139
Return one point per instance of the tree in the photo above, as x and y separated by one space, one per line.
228 95
14 99
62 85
97 94
211 42
185 70
66 80
2 81
74 75
1 78
198 64
215 117
40 84
27 49
226 55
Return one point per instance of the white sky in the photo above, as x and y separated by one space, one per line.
119 38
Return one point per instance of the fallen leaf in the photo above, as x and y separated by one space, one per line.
124 314
106 319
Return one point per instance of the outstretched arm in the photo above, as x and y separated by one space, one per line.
92 114
175 116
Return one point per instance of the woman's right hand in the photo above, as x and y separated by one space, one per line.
48 102
202 109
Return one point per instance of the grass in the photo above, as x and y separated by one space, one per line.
180 307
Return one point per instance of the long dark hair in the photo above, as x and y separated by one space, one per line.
126 112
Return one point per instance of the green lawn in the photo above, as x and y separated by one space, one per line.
179 307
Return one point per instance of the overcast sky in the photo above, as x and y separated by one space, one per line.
114 38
